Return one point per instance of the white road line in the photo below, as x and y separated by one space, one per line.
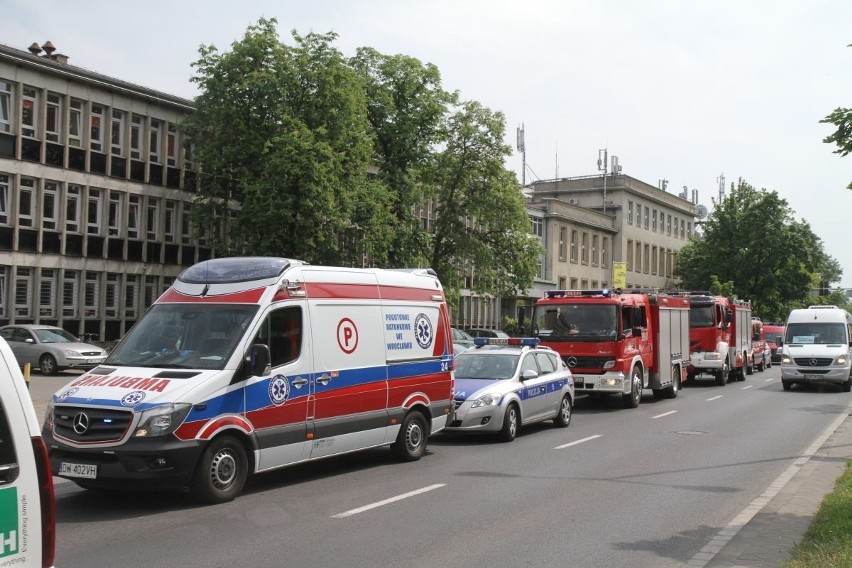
664 414
387 501
768 380
714 398
575 442
746 387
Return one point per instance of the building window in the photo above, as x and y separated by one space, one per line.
574 284
594 250
605 252
47 293
647 216
574 245
646 262
93 220
96 121
75 123
682 230
49 205
186 224
536 226
630 212
154 141
133 217
629 258
91 295
654 220
152 219
4 199
111 295
29 112
688 229
654 262
561 283
669 225
584 284
562 235
638 257
171 145
114 215
4 278
117 132
131 296
662 269
26 201
5 106
584 248
151 292
70 293
136 137
23 292
171 221
72 208
53 121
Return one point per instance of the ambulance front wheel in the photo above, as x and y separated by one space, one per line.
221 472
410 443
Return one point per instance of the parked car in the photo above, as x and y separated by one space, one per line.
775 338
483 332
461 337
27 506
499 388
459 348
50 348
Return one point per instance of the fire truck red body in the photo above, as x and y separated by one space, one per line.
617 343
719 338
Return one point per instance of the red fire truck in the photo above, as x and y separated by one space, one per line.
617 343
719 338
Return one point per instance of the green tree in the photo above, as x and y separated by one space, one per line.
282 133
482 228
842 137
753 240
406 106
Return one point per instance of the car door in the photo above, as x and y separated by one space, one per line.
534 392
547 364
25 351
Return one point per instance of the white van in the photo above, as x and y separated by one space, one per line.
817 347
251 364
27 513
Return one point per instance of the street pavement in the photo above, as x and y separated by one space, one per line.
761 536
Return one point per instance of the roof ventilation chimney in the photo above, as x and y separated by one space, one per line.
48 48
35 48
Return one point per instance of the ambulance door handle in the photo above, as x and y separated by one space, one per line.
323 379
299 382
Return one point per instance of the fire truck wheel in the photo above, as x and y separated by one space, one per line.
633 399
563 418
410 443
722 375
762 366
672 390
510 424
221 471
749 368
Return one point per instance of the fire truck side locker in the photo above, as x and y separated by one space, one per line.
671 345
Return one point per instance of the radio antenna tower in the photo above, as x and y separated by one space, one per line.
721 181
523 150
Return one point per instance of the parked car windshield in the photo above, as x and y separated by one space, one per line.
573 322
186 336
479 365
54 335
816 332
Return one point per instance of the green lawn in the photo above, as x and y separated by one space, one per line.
828 542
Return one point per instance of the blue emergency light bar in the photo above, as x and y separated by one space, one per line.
605 292
513 341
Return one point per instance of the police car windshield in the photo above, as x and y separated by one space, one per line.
184 336
484 365
576 322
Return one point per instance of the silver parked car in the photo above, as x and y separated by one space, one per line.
502 384
50 348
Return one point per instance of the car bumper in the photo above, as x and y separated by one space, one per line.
698 362
607 383
791 374
482 419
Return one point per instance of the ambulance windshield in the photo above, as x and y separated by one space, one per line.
576 322
184 336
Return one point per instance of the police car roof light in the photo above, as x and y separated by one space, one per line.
513 341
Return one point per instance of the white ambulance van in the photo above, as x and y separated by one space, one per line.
27 513
817 347
246 365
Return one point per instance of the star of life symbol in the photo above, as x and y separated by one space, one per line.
66 394
133 398
279 390
423 331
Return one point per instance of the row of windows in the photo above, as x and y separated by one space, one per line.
49 293
67 120
658 221
580 284
649 259
588 248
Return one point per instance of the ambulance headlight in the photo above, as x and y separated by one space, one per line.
712 356
161 420
786 359
486 400
841 360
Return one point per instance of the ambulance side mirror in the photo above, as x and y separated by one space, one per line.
258 360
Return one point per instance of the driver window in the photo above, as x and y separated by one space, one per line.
529 363
282 332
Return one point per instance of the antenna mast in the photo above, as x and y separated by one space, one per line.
523 150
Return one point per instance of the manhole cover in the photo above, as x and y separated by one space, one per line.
690 432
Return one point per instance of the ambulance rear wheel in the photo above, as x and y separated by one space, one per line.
221 472
634 397
410 443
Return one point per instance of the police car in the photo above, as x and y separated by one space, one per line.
502 384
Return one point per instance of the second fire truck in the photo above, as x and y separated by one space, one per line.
617 343
719 337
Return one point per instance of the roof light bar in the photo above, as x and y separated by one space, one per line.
513 341
605 292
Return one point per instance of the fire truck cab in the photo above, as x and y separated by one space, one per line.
719 338
617 343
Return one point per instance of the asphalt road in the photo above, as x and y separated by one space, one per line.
643 487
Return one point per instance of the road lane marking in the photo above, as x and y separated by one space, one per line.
747 387
715 397
387 501
575 442
768 380
664 414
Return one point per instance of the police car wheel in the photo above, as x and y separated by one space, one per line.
410 443
510 424
221 472
563 418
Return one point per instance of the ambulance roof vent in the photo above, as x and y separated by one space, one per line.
235 269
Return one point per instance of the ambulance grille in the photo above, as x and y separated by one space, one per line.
90 425
814 362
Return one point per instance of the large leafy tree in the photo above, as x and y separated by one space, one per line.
482 228
282 132
753 241
842 137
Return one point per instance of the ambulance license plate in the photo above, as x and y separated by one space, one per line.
812 377
86 471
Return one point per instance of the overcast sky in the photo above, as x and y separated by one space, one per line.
682 91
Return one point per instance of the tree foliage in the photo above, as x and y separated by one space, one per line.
842 137
753 241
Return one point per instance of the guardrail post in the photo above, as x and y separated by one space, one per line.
27 367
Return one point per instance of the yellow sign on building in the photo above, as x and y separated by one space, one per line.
619 275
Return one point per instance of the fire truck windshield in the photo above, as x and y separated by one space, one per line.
576 322
701 316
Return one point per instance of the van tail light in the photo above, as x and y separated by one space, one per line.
48 504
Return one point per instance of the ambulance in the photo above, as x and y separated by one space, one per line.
246 365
